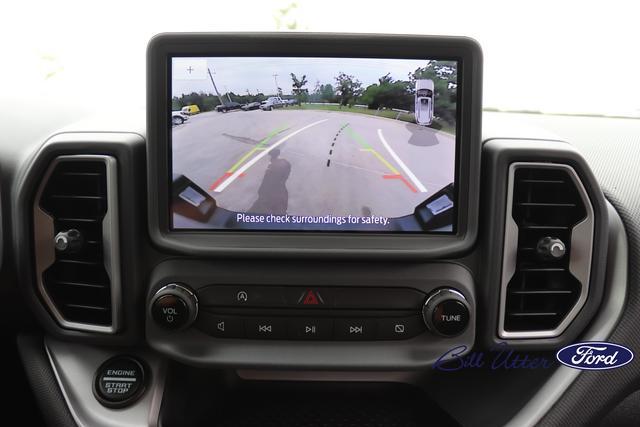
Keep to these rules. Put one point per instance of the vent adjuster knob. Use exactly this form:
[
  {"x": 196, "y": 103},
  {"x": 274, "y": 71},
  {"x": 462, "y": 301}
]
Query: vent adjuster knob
[
  {"x": 551, "y": 248},
  {"x": 69, "y": 241}
]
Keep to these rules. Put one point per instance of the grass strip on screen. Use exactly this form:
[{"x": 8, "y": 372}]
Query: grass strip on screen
[{"x": 438, "y": 125}]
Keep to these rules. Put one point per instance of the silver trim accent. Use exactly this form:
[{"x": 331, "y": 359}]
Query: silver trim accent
[
  {"x": 579, "y": 262},
  {"x": 62, "y": 389},
  {"x": 45, "y": 251}
]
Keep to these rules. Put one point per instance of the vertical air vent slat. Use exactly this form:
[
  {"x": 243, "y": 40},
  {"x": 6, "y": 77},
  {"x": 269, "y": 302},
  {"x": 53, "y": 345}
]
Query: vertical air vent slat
[
  {"x": 547, "y": 202},
  {"x": 77, "y": 283}
]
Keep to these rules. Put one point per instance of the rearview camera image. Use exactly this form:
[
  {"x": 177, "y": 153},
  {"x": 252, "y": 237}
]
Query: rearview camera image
[{"x": 316, "y": 144}]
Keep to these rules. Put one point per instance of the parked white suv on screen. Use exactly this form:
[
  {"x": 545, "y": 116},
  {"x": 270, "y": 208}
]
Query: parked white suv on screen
[
  {"x": 178, "y": 117},
  {"x": 271, "y": 103}
]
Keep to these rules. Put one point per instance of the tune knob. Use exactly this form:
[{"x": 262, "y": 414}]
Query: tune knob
[
  {"x": 446, "y": 312},
  {"x": 174, "y": 306},
  {"x": 551, "y": 248}
]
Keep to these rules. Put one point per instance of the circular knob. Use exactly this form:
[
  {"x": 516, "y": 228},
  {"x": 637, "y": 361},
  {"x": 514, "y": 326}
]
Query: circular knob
[
  {"x": 551, "y": 248},
  {"x": 174, "y": 306},
  {"x": 69, "y": 241},
  {"x": 446, "y": 312}
]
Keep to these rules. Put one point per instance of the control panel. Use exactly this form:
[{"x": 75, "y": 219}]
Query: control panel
[
  {"x": 224, "y": 313},
  {"x": 311, "y": 313}
]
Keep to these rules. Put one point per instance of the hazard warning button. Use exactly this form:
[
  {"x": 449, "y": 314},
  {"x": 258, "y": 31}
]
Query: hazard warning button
[{"x": 309, "y": 297}]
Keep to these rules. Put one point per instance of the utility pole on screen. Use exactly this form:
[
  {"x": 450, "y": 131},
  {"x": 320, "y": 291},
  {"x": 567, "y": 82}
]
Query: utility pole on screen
[{"x": 215, "y": 87}]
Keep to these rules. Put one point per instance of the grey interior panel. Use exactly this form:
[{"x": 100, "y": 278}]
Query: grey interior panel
[{"x": 75, "y": 366}]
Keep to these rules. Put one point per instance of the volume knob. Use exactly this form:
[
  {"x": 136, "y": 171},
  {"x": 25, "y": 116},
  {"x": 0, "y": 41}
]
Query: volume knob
[{"x": 174, "y": 306}]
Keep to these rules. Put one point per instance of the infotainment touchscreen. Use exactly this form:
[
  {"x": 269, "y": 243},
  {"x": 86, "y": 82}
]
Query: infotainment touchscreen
[{"x": 313, "y": 144}]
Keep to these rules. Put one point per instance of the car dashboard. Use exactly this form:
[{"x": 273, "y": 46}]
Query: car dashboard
[{"x": 151, "y": 290}]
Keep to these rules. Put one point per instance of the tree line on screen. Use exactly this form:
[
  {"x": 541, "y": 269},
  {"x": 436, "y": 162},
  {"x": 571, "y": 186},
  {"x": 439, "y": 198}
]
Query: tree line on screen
[{"x": 346, "y": 90}]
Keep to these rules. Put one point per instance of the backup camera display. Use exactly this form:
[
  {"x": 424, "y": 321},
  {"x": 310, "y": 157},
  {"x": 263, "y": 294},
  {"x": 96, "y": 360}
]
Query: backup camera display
[{"x": 313, "y": 144}]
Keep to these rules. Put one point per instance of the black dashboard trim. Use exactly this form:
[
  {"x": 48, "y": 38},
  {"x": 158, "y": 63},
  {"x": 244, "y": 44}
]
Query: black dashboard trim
[{"x": 43, "y": 381}]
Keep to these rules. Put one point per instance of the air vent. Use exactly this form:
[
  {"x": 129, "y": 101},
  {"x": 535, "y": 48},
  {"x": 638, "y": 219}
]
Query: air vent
[
  {"x": 80, "y": 284},
  {"x": 546, "y": 270}
]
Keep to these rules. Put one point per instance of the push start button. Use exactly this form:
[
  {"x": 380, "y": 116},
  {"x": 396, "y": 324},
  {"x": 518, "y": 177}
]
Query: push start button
[{"x": 119, "y": 382}]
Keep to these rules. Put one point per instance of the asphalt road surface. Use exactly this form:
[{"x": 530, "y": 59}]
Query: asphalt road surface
[{"x": 305, "y": 162}]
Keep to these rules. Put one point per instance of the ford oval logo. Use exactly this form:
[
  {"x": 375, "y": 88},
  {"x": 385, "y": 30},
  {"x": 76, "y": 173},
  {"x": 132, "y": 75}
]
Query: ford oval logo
[{"x": 594, "y": 355}]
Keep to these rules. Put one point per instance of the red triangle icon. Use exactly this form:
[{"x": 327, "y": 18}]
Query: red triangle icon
[{"x": 311, "y": 298}]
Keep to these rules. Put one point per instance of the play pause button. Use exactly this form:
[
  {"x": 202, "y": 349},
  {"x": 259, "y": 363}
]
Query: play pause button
[{"x": 310, "y": 329}]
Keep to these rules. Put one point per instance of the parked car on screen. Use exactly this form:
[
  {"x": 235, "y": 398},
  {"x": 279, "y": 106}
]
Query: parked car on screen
[
  {"x": 178, "y": 117},
  {"x": 251, "y": 106},
  {"x": 424, "y": 102},
  {"x": 190, "y": 109},
  {"x": 223, "y": 108},
  {"x": 271, "y": 103}
]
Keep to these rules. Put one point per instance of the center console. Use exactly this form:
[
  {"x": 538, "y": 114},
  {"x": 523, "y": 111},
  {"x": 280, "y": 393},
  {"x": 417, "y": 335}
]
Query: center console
[{"x": 313, "y": 176}]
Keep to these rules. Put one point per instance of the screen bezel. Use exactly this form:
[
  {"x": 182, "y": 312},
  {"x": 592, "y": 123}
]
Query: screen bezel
[{"x": 228, "y": 242}]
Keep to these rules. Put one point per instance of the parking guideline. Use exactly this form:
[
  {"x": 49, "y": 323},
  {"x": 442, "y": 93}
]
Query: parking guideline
[
  {"x": 395, "y": 173},
  {"x": 224, "y": 181},
  {"x": 259, "y": 146},
  {"x": 399, "y": 161},
  {"x": 236, "y": 165}
]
